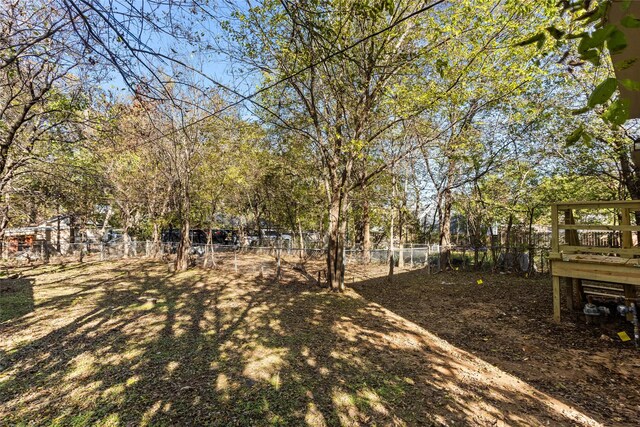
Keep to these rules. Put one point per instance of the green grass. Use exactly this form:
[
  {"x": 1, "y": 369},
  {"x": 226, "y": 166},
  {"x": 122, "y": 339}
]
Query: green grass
[{"x": 16, "y": 297}]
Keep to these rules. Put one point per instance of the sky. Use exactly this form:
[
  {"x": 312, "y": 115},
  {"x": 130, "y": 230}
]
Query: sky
[{"x": 202, "y": 24}]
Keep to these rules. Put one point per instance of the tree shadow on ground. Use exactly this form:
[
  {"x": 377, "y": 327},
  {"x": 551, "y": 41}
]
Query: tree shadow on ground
[
  {"x": 507, "y": 321},
  {"x": 16, "y": 298},
  {"x": 203, "y": 348}
]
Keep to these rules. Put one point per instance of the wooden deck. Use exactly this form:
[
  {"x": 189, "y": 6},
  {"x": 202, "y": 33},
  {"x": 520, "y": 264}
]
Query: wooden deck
[{"x": 575, "y": 262}]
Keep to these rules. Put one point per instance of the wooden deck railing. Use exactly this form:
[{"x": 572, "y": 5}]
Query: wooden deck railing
[
  {"x": 619, "y": 263},
  {"x": 620, "y": 208}
]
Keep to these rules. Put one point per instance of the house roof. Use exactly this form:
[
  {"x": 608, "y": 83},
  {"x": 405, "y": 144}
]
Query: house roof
[
  {"x": 25, "y": 231},
  {"x": 64, "y": 220}
]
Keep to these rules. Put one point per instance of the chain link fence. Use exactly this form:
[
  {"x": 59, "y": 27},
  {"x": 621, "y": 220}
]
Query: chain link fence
[{"x": 408, "y": 256}]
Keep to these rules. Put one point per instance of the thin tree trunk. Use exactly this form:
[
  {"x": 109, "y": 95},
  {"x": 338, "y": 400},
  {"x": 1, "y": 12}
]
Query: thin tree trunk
[
  {"x": 82, "y": 242},
  {"x": 155, "y": 239},
  {"x": 366, "y": 232},
  {"x": 401, "y": 222},
  {"x": 445, "y": 230},
  {"x": 126, "y": 241},
  {"x": 391, "y": 257},
  {"x": 257, "y": 217},
  {"x": 105, "y": 223},
  {"x": 532, "y": 249},
  {"x": 492, "y": 242},
  {"x": 211, "y": 248},
  {"x": 278, "y": 259},
  {"x": 301, "y": 240},
  {"x": 475, "y": 258},
  {"x": 508, "y": 242},
  {"x": 4, "y": 220},
  {"x": 58, "y": 247},
  {"x": 182, "y": 255}
]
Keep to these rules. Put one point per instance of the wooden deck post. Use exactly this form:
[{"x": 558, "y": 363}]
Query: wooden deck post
[
  {"x": 555, "y": 234},
  {"x": 626, "y": 234},
  {"x": 555, "y": 251},
  {"x": 627, "y": 242},
  {"x": 574, "y": 291},
  {"x": 556, "y": 299}
]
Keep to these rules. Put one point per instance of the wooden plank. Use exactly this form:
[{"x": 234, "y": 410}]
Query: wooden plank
[
  {"x": 598, "y": 272},
  {"x": 554, "y": 255},
  {"x": 603, "y": 287},
  {"x": 599, "y": 259},
  {"x": 556, "y": 298},
  {"x": 626, "y": 234},
  {"x": 601, "y": 204},
  {"x": 599, "y": 227},
  {"x": 599, "y": 250},
  {"x": 601, "y": 294}
]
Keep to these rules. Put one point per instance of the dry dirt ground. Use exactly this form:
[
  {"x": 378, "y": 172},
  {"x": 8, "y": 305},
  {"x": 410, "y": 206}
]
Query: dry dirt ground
[{"x": 129, "y": 343}]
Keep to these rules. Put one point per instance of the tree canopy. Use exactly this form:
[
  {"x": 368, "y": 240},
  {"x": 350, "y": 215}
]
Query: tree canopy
[{"x": 329, "y": 119}]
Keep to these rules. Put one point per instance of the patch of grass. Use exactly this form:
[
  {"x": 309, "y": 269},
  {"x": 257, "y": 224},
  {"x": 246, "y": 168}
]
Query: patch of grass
[{"x": 16, "y": 298}]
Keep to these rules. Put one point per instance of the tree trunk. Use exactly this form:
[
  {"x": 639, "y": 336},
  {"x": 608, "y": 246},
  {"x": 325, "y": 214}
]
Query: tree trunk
[
  {"x": 105, "y": 223},
  {"x": 363, "y": 226},
  {"x": 209, "y": 253},
  {"x": 492, "y": 242},
  {"x": 507, "y": 243},
  {"x": 445, "y": 230},
  {"x": 126, "y": 242},
  {"x": 532, "y": 248},
  {"x": 33, "y": 212},
  {"x": 79, "y": 239},
  {"x": 335, "y": 248},
  {"x": 155, "y": 240},
  {"x": 4, "y": 219},
  {"x": 58, "y": 247},
  {"x": 366, "y": 232},
  {"x": 182, "y": 253},
  {"x": 402, "y": 232},
  {"x": 391, "y": 258},
  {"x": 301, "y": 240},
  {"x": 126, "y": 239},
  {"x": 257, "y": 217},
  {"x": 476, "y": 258},
  {"x": 278, "y": 259}
]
